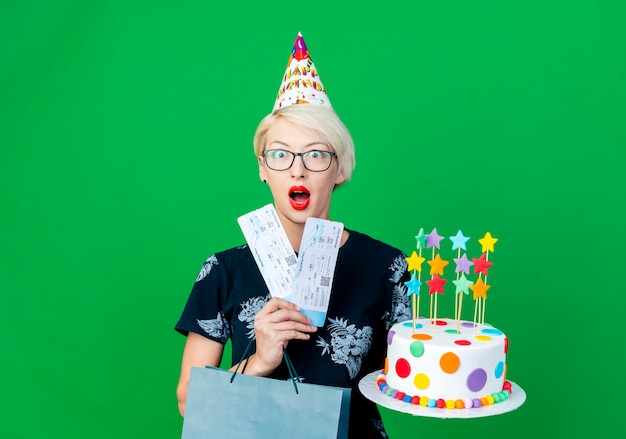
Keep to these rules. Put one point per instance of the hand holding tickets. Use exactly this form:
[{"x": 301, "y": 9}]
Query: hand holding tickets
[{"x": 305, "y": 280}]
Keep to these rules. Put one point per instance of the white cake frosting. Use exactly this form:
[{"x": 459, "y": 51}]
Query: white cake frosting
[{"x": 457, "y": 363}]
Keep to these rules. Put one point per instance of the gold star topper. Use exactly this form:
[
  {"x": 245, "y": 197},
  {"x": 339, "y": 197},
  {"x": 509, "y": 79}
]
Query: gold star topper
[
  {"x": 488, "y": 242},
  {"x": 415, "y": 262}
]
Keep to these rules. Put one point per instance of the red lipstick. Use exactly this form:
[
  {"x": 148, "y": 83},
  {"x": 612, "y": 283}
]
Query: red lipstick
[{"x": 299, "y": 197}]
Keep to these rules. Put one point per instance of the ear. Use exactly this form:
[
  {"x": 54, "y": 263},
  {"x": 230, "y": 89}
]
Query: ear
[
  {"x": 340, "y": 179},
  {"x": 262, "y": 172}
]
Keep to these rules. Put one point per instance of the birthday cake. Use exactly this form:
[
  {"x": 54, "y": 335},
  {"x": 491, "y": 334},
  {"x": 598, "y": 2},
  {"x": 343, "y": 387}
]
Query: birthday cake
[{"x": 447, "y": 362}]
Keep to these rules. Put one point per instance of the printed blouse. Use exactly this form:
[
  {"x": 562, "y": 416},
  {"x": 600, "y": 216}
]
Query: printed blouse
[{"x": 368, "y": 296}]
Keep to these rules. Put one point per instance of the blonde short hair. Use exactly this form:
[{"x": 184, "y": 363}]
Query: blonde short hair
[{"x": 323, "y": 121}]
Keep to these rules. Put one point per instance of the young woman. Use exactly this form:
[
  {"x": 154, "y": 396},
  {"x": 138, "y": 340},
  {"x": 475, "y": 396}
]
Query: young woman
[{"x": 304, "y": 152}]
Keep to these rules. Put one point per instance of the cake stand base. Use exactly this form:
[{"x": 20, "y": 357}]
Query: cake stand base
[{"x": 370, "y": 390}]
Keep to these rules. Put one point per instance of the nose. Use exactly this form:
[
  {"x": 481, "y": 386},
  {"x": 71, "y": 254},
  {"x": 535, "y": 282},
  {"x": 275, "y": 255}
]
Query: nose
[{"x": 297, "y": 168}]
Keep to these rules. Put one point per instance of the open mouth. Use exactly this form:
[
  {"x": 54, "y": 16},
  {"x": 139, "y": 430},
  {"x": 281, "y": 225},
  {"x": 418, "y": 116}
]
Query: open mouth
[{"x": 299, "y": 197}]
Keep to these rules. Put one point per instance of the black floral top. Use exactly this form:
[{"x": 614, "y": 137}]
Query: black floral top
[{"x": 368, "y": 296}]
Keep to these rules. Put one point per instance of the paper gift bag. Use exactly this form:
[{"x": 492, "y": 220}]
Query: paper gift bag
[{"x": 258, "y": 407}]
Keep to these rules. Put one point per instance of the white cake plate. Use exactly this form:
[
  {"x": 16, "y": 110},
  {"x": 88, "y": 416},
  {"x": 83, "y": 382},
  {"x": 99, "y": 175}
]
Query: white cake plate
[{"x": 370, "y": 390}]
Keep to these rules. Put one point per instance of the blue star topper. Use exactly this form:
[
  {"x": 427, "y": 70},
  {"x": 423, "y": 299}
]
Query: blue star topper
[
  {"x": 458, "y": 241},
  {"x": 413, "y": 286}
]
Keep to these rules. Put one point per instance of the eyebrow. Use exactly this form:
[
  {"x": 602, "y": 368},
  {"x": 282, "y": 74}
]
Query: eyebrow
[{"x": 308, "y": 145}]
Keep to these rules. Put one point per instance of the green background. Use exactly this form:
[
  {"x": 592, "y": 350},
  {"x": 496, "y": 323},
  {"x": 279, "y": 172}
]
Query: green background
[{"x": 126, "y": 157}]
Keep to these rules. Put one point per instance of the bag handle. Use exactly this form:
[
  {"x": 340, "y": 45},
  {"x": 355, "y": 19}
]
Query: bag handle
[
  {"x": 292, "y": 370},
  {"x": 246, "y": 356}
]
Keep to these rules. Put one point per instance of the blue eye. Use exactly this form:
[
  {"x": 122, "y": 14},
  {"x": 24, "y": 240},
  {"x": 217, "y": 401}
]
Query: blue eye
[
  {"x": 317, "y": 155},
  {"x": 277, "y": 154}
]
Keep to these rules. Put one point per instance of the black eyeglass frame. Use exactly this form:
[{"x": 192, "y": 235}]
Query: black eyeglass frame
[{"x": 300, "y": 154}]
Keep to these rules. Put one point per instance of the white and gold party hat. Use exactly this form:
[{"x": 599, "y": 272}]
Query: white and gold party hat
[{"x": 301, "y": 83}]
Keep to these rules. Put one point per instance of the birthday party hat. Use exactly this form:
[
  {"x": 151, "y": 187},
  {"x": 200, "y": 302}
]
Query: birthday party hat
[{"x": 301, "y": 82}]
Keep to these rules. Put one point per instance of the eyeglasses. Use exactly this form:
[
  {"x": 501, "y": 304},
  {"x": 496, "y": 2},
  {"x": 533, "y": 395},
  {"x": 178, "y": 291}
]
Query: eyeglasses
[{"x": 314, "y": 160}]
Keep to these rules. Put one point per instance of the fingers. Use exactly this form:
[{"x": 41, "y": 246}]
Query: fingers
[
  {"x": 283, "y": 329},
  {"x": 275, "y": 325},
  {"x": 280, "y": 321},
  {"x": 279, "y": 310},
  {"x": 296, "y": 318},
  {"x": 276, "y": 303}
]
